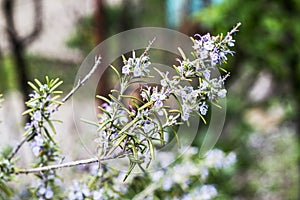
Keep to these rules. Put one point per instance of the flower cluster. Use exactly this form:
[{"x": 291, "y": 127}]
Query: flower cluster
[
  {"x": 213, "y": 50},
  {"x": 136, "y": 129},
  {"x": 7, "y": 168},
  {"x": 80, "y": 191},
  {"x": 42, "y": 103},
  {"x": 96, "y": 188},
  {"x": 205, "y": 192},
  {"x": 174, "y": 182},
  {"x": 136, "y": 67},
  {"x": 47, "y": 186},
  {"x": 133, "y": 130},
  {"x": 178, "y": 175}
]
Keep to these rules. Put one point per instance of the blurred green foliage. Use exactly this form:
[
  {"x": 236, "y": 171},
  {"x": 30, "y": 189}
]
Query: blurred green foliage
[
  {"x": 38, "y": 67},
  {"x": 269, "y": 41},
  {"x": 117, "y": 19},
  {"x": 269, "y": 36}
]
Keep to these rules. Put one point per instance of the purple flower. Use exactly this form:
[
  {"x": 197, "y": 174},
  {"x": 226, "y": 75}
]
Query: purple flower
[
  {"x": 45, "y": 192},
  {"x": 37, "y": 144},
  {"x": 206, "y": 74},
  {"x": 158, "y": 97},
  {"x": 206, "y": 192},
  {"x": 222, "y": 93},
  {"x": 137, "y": 71},
  {"x": 229, "y": 40},
  {"x": 203, "y": 108},
  {"x": 126, "y": 69}
]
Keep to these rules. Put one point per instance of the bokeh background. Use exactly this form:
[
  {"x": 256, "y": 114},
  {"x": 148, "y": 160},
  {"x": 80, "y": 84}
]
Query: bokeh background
[{"x": 52, "y": 37}]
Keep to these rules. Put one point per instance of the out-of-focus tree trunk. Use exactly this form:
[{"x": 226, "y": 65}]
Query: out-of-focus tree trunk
[
  {"x": 99, "y": 21},
  {"x": 19, "y": 44},
  {"x": 99, "y": 17}
]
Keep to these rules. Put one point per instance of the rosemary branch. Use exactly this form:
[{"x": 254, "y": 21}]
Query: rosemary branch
[
  {"x": 67, "y": 164},
  {"x": 79, "y": 84}
]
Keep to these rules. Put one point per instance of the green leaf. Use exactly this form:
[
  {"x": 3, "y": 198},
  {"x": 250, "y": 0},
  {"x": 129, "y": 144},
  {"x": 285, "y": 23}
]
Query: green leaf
[
  {"x": 28, "y": 111},
  {"x": 38, "y": 83},
  {"x": 105, "y": 111},
  {"x": 201, "y": 116},
  {"x": 119, "y": 103},
  {"x": 30, "y": 136},
  {"x": 124, "y": 59},
  {"x": 146, "y": 105},
  {"x": 55, "y": 86},
  {"x": 55, "y": 97},
  {"x": 151, "y": 147},
  {"x": 224, "y": 70},
  {"x": 5, "y": 188},
  {"x": 132, "y": 97},
  {"x": 132, "y": 165},
  {"x": 161, "y": 132},
  {"x": 116, "y": 91},
  {"x": 48, "y": 135},
  {"x": 53, "y": 81},
  {"x": 89, "y": 122},
  {"x": 51, "y": 125},
  {"x": 177, "y": 137},
  {"x": 47, "y": 80},
  {"x": 57, "y": 92},
  {"x": 116, "y": 71},
  {"x": 182, "y": 53},
  {"x": 120, "y": 140},
  {"x": 33, "y": 86},
  {"x": 104, "y": 124},
  {"x": 159, "y": 72},
  {"x": 217, "y": 105},
  {"x": 125, "y": 128},
  {"x": 103, "y": 98}
]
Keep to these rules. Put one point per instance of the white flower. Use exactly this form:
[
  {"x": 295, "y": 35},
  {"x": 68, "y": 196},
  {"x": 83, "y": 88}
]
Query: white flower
[
  {"x": 37, "y": 144},
  {"x": 47, "y": 192},
  {"x": 206, "y": 74},
  {"x": 222, "y": 93},
  {"x": 204, "y": 173},
  {"x": 203, "y": 108},
  {"x": 97, "y": 195},
  {"x": 230, "y": 159},
  {"x": 158, "y": 97},
  {"x": 167, "y": 183},
  {"x": 209, "y": 45},
  {"x": 230, "y": 41},
  {"x": 185, "y": 112},
  {"x": 148, "y": 127},
  {"x": 137, "y": 71},
  {"x": 215, "y": 158},
  {"x": 206, "y": 192},
  {"x": 126, "y": 69},
  {"x": 156, "y": 176},
  {"x": 204, "y": 85},
  {"x": 214, "y": 57},
  {"x": 37, "y": 116},
  {"x": 203, "y": 54}
]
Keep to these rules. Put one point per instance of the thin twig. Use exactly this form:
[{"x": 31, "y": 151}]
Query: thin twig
[
  {"x": 80, "y": 83},
  {"x": 64, "y": 165},
  {"x": 148, "y": 47},
  {"x": 16, "y": 149},
  {"x": 235, "y": 29}
]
